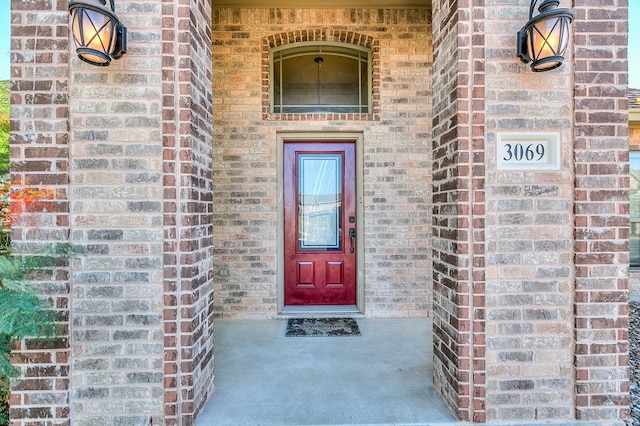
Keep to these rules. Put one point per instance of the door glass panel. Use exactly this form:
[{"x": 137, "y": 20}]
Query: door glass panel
[{"x": 319, "y": 201}]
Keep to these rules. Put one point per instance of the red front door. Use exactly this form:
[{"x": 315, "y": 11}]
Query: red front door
[{"x": 319, "y": 223}]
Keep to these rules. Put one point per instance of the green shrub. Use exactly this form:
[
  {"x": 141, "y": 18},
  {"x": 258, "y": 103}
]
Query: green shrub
[{"x": 22, "y": 312}]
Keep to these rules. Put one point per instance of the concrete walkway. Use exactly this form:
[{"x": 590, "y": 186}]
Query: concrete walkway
[{"x": 380, "y": 378}]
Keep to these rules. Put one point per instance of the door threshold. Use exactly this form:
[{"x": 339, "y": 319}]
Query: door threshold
[{"x": 320, "y": 311}]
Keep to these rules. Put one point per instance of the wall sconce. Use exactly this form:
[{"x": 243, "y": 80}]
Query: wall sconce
[
  {"x": 545, "y": 38},
  {"x": 98, "y": 33}
]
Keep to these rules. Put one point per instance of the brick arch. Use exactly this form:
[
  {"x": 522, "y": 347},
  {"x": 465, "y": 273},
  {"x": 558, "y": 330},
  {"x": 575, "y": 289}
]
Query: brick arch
[{"x": 322, "y": 35}]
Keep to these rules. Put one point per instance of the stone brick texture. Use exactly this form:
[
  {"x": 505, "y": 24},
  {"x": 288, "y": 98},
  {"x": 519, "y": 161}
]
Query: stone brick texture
[
  {"x": 397, "y": 172},
  {"x": 529, "y": 281},
  {"x": 116, "y": 206},
  {"x": 445, "y": 233}
]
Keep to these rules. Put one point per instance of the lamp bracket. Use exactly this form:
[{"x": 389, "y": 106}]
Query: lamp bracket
[{"x": 523, "y": 52}]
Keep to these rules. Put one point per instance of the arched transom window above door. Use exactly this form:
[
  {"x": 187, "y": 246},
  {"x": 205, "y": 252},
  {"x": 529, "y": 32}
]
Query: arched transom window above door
[
  {"x": 321, "y": 78},
  {"x": 321, "y": 75}
]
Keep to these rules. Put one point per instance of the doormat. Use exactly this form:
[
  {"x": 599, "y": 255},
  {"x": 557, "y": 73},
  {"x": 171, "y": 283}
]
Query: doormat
[{"x": 322, "y": 327}]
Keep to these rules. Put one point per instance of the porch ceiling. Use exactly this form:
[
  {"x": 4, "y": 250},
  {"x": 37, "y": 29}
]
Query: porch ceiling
[{"x": 253, "y": 4}]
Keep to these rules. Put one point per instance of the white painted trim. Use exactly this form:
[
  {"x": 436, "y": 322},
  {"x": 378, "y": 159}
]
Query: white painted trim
[{"x": 358, "y": 137}]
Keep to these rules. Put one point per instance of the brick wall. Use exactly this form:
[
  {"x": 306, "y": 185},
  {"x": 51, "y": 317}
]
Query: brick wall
[
  {"x": 537, "y": 306},
  {"x": 531, "y": 263},
  {"x": 529, "y": 237},
  {"x": 187, "y": 176},
  {"x": 445, "y": 299},
  {"x": 123, "y": 157},
  {"x": 40, "y": 141},
  {"x": 602, "y": 210},
  {"x": 458, "y": 207},
  {"x": 397, "y": 173},
  {"x": 116, "y": 198}
]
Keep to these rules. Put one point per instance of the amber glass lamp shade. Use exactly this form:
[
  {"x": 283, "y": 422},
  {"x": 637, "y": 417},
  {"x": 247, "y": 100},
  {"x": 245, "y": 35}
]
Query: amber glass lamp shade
[
  {"x": 97, "y": 33},
  {"x": 543, "y": 41}
]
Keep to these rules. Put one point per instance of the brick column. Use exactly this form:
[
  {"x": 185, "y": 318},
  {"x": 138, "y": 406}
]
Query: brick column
[
  {"x": 458, "y": 207},
  {"x": 39, "y": 171},
  {"x": 187, "y": 130},
  {"x": 556, "y": 295},
  {"x": 117, "y": 344},
  {"x": 602, "y": 210},
  {"x": 529, "y": 237},
  {"x": 121, "y": 160}
]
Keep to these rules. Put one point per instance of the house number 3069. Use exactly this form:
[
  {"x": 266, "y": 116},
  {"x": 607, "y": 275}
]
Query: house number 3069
[
  {"x": 523, "y": 152},
  {"x": 528, "y": 151}
]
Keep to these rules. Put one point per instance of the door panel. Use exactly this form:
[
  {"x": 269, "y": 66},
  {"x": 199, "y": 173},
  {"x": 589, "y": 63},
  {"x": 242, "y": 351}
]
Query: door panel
[
  {"x": 305, "y": 274},
  {"x": 319, "y": 223},
  {"x": 335, "y": 271}
]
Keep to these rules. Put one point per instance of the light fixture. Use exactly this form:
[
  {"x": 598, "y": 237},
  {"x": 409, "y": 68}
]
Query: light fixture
[
  {"x": 318, "y": 60},
  {"x": 545, "y": 38},
  {"x": 97, "y": 32}
]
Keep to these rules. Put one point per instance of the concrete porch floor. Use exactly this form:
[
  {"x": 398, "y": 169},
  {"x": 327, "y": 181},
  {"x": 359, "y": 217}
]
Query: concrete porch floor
[{"x": 382, "y": 377}]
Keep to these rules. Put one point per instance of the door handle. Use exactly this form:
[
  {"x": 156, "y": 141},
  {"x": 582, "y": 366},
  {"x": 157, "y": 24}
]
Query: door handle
[{"x": 352, "y": 238}]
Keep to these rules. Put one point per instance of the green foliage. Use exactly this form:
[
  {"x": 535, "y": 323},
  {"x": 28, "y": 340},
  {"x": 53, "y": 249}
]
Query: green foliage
[
  {"x": 4, "y": 403},
  {"x": 22, "y": 312},
  {"x": 4, "y": 96}
]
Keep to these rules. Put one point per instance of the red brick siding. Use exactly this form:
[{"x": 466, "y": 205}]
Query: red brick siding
[
  {"x": 601, "y": 193},
  {"x": 187, "y": 166},
  {"x": 458, "y": 206},
  {"x": 40, "y": 162}
]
